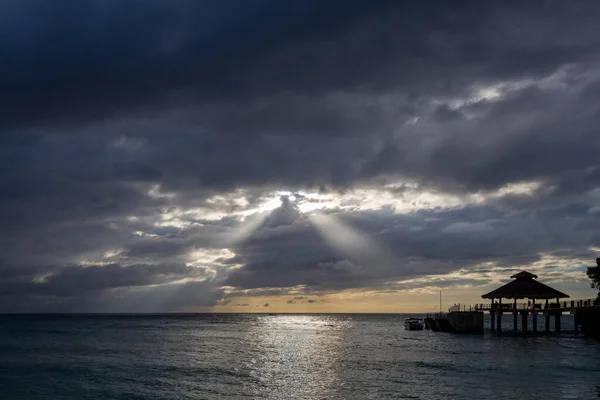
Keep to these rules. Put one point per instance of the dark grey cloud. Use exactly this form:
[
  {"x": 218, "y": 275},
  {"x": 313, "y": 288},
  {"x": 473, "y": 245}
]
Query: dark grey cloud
[
  {"x": 89, "y": 60},
  {"x": 79, "y": 281},
  {"x": 116, "y": 118},
  {"x": 105, "y": 288},
  {"x": 99, "y": 59}
]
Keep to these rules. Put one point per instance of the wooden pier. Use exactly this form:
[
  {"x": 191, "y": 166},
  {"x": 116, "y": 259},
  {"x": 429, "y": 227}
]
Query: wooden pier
[
  {"x": 463, "y": 318},
  {"x": 524, "y": 286}
]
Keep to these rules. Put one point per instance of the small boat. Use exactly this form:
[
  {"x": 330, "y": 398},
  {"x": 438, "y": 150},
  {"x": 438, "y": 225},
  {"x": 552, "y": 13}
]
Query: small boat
[{"x": 413, "y": 324}]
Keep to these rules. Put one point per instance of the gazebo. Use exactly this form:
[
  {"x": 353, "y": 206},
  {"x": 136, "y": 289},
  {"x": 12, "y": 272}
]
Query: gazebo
[{"x": 524, "y": 286}]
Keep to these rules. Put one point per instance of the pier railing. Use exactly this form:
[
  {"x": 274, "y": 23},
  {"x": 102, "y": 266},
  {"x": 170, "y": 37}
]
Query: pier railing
[
  {"x": 568, "y": 304},
  {"x": 562, "y": 305},
  {"x": 461, "y": 307}
]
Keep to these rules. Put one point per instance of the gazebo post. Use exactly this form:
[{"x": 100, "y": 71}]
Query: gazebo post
[
  {"x": 515, "y": 315},
  {"x": 524, "y": 321},
  {"x": 499, "y": 327},
  {"x": 493, "y": 315},
  {"x": 547, "y": 317},
  {"x": 534, "y": 317},
  {"x": 557, "y": 317}
]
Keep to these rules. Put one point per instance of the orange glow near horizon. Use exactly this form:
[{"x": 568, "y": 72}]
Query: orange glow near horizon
[
  {"x": 353, "y": 301},
  {"x": 348, "y": 302}
]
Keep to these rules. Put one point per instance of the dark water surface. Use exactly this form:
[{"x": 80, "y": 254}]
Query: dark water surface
[{"x": 283, "y": 357}]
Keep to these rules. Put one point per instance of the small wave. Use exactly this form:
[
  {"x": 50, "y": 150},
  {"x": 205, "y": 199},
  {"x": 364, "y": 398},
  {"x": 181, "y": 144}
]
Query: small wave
[
  {"x": 42, "y": 331},
  {"x": 435, "y": 366},
  {"x": 578, "y": 368}
]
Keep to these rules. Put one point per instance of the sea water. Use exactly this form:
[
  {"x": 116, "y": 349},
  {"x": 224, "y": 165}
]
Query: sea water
[{"x": 212, "y": 356}]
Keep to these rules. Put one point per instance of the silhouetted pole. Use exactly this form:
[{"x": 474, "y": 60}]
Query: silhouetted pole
[
  {"x": 493, "y": 315},
  {"x": 547, "y": 317},
  {"x": 499, "y": 327},
  {"x": 515, "y": 315},
  {"x": 557, "y": 318},
  {"x": 534, "y": 317}
]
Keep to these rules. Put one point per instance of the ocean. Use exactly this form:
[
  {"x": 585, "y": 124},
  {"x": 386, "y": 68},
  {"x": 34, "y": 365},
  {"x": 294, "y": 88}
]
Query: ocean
[{"x": 216, "y": 356}]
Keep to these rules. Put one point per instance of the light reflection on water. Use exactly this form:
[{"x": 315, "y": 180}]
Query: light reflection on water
[
  {"x": 299, "y": 353},
  {"x": 283, "y": 357}
]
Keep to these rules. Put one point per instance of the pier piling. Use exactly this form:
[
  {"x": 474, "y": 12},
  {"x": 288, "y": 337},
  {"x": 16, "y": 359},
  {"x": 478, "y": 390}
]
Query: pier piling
[
  {"x": 534, "y": 322},
  {"x": 499, "y": 327},
  {"x": 524, "y": 321}
]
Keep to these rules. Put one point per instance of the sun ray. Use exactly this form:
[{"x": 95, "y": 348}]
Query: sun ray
[
  {"x": 349, "y": 241},
  {"x": 246, "y": 228}
]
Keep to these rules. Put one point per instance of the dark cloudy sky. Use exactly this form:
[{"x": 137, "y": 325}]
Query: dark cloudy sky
[{"x": 299, "y": 155}]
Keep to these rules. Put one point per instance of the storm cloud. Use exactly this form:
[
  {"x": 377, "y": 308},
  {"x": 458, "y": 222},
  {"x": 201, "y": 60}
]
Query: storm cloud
[{"x": 196, "y": 149}]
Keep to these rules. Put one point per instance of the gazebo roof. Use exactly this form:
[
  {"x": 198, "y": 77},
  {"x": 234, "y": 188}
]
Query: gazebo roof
[
  {"x": 523, "y": 274},
  {"x": 524, "y": 286}
]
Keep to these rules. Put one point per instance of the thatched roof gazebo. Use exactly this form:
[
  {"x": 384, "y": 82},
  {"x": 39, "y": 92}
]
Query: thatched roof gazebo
[{"x": 524, "y": 286}]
